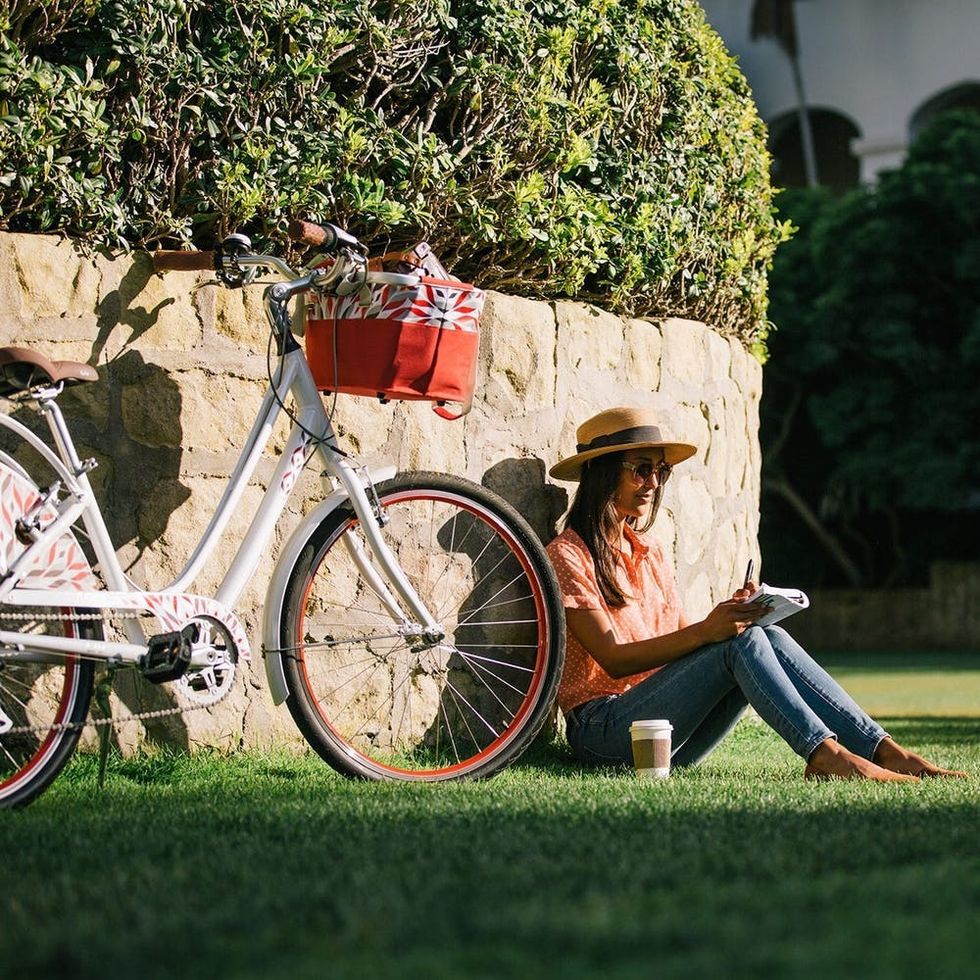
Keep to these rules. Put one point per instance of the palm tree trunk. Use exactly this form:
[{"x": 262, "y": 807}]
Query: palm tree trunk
[
  {"x": 806, "y": 130},
  {"x": 777, "y": 19}
]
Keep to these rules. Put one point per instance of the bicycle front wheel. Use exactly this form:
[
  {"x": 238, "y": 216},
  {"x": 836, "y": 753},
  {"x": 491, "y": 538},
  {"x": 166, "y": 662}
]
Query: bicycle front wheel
[{"x": 379, "y": 705}]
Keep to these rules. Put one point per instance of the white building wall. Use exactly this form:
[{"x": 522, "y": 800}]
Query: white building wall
[{"x": 874, "y": 61}]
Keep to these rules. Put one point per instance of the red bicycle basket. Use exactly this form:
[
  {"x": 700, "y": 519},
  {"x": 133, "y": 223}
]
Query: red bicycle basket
[{"x": 409, "y": 343}]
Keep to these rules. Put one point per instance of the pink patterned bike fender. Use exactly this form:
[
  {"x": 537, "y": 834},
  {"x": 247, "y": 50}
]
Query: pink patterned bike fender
[{"x": 59, "y": 565}]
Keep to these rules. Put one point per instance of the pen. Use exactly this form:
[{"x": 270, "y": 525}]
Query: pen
[{"x": 748, "y": 573}]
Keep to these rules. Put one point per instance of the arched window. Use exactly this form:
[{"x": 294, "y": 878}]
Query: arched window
[
  {"x": 965, "y": 95},
  {"x": 837, "y": 166}
]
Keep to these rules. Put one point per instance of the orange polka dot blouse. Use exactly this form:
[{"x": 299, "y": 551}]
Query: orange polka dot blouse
[{"x": 653, "y": 611}]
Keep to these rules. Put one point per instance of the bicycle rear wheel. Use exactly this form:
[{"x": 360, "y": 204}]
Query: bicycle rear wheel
[
  {"x": 378, "y": 705},
  {"x": 44, "y": 702},
  {"x": 44, "y": 699}
]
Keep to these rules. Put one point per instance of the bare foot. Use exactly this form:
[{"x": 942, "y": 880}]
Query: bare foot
[
  {"x": 891, "y": 755},
  {"x": 830, "y": 760}
]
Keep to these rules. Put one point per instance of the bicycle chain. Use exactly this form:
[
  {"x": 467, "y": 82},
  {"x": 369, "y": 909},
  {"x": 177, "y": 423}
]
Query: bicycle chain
[{"x": 97, "y": 723}]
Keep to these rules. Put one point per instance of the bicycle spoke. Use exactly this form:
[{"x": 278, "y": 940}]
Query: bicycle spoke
[
  {"x": 462, "y": 717},
  {"x": 493, "y": 731},
  {"x": 485, "y": 574},
  {"x": 390, "y": 698},
  {"x": 507, "y": 646},
  {"x": 371, "y": 667},
  {"x": 13, "y": 761},
  {"x": 496, "y": 622},
  {"x": 449, "y": 728},
  {"x": 478, "y": 666},
  {"x": 480, "y": 608},
  {"x": 7, "y": 690},
  {"x": 490, "y": 660},
  {"x": 472, "y": 669}
]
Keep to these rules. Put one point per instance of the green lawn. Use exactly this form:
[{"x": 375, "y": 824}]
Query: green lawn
[
  {"x": 910, "y": 683},
  {"x": 271, "y": 866}
]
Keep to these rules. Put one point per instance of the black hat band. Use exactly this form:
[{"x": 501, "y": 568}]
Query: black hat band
[{"x": 639, "y": 433}]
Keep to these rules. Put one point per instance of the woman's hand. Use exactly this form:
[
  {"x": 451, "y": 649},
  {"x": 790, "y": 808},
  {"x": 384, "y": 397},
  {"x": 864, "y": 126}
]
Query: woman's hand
[
  {"x": 731, "y": 618},
  {"x": 746, "y": 592}
]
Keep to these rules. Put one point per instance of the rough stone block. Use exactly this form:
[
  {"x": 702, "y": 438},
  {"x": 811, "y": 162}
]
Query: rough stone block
[
  {"x": 46, "y": 268},
  {"x": 696, "y": 595},
  {"x": 518, "y": 347},
  {"x": 588, "y": 338},
  {"x": 684, "y": 351},
  {"x": 239, "y": 315},
  {"x": 644, "y": 346},
  {"x": 160, "y": 316},
  {"x": 151, "y": 410},
  {"x": 719, "y": 359},
  {"x": 217, "y": 411},
  {"x": 696, "y": 510}
]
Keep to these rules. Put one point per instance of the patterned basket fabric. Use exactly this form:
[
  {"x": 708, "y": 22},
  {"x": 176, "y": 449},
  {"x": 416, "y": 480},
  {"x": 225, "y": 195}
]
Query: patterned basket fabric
[
  {"x": 415, "y": 342},
  {"x": 444, "y": 304}
]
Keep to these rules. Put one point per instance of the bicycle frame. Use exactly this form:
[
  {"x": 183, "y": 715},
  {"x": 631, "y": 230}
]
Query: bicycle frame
[{"x": 312, "y": 434}]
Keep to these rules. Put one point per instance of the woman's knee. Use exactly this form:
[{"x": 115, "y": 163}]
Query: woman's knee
[
  {"x": 752, "y": 639},
  {"x": 783, "y": 643}
]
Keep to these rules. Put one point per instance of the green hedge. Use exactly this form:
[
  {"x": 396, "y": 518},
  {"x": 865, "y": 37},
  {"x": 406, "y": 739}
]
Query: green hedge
[{"x": 598, "y": 149}]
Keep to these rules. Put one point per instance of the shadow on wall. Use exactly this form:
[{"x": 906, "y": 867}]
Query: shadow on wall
[
  {"x": 142, "y": 440},
  {"x": 114, "y": 310},
  {"x": 129, "y": 421},
  {"x": 522, "y": 483}
]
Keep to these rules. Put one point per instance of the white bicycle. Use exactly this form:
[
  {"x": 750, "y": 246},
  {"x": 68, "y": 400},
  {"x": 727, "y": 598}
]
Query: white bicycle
[{"x": 412, "y": 624}]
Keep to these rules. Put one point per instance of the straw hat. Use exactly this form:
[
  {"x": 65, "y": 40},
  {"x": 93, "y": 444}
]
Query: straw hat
[{"x": 616, "y": 430}]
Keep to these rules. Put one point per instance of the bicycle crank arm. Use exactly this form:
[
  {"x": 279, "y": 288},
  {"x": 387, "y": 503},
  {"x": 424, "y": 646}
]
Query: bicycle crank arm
[{"x": 28, "y": 646}]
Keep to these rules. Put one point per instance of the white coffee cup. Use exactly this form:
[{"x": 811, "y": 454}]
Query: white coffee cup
[{"x": 651, "y": 747}]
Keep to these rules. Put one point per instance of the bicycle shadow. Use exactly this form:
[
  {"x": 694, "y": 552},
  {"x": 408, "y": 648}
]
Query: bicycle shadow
[
  {"x": 496, "y": 642},
  {"x": 142, "y": 440},
  {"x": 129, "y": 423},
  {"x": 116, "y": 308},
  {"x": 521, "y": 482}
]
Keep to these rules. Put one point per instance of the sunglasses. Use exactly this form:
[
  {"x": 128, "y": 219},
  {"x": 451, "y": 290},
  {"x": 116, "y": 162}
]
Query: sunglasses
[{"x": 644, "y": 472}]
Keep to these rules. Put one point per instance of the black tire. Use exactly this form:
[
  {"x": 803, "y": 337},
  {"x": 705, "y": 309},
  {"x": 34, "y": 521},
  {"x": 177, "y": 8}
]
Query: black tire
[
  {"x": 376, "y": 706},
  {"x": 53, "y": 693}
]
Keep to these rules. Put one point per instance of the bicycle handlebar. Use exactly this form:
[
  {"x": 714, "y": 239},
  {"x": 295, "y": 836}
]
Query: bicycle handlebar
[
  {"x": 328, "y": 237},
  {"x": 164, "y": 261}
]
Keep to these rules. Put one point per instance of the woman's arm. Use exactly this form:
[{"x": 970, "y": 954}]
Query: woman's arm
[{"x": 591, "y": 627}]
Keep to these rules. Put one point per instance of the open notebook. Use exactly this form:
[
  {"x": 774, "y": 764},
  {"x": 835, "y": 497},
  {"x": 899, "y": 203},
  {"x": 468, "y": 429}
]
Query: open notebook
[{"x": 781, "y": 602}]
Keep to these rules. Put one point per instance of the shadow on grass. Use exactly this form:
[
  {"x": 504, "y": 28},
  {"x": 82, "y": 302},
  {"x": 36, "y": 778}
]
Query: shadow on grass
[
  {"x": 739, "y": 869},
  {"x": 919, "y": 730},
  {"x": 901, "y": 662}
]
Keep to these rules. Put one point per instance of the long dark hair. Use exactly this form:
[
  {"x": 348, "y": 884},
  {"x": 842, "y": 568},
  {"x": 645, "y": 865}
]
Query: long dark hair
[{"x": 595, "y": 519}]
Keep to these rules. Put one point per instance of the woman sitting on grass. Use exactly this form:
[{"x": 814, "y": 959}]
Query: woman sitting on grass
[{"x": 632, "y": 653}]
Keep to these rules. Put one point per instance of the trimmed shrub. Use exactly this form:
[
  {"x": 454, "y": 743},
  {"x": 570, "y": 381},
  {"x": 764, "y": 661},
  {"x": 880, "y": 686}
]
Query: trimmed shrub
[{"x": 596, "y": 149}]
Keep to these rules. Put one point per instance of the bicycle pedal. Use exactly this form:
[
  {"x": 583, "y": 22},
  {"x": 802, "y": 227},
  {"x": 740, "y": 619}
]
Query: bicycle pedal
[{"x": 168, "y": 655}]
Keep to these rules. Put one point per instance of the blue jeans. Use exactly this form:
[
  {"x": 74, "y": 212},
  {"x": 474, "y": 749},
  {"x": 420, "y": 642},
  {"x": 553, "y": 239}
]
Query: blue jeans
[{"x": 704, "y": 693}]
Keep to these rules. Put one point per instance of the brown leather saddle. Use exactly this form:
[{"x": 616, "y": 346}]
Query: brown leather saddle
[{"x": 22, "y": 369}]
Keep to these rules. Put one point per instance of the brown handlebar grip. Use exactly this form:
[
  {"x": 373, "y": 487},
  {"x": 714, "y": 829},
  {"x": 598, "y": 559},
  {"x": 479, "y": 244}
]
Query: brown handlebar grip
[
  {"x": 307, "y": 233},
  {"x": 183, "y": 261}
]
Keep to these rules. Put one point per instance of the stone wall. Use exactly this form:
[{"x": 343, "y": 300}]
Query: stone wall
[
  {"x": 945, "y": 616},
  {"x": 183, "y": 368}
]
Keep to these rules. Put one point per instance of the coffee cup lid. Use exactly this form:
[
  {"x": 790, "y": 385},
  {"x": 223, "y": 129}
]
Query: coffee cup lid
[{"x": 652, "y": 725}]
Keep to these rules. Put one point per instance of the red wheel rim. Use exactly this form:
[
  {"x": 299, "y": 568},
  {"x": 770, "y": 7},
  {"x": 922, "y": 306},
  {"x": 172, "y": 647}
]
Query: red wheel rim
[
  {"x": 54, "y": 734},
  {"x": 529, "y": 699}
]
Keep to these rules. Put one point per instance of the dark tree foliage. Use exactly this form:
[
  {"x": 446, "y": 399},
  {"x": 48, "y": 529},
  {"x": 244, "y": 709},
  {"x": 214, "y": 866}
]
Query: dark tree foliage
[
  {"x": 871, "y": 413},
  {"x": 608, "y": 150}
]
